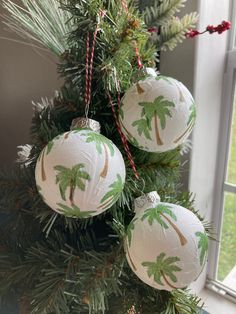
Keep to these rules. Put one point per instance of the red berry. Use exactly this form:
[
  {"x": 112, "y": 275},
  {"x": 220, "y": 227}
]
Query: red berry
[
  {"x": 210, "y": 29},
  {"x": 226, "y": 24},
  {"x": 192, "y": 33},
  {"x": 152, "y": 30}
]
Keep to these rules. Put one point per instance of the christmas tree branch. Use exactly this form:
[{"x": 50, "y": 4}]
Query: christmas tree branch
[
  {"x": 41, "y": 21},
  {"x": 159, "y": 13},
  {"x": 174, "y": 32}
]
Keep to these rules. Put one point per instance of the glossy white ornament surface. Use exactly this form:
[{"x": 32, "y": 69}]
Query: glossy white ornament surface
[
  {"x": 166, "y": 244},
  {"x": 80, "y": 173},
  {"x": 157, "y": 113}
]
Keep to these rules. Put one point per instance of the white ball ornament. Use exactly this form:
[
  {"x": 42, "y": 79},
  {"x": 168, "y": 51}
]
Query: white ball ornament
[
  {"x": 80, "y": 173},
  {"x": 157, "y": 113},
  {"x": 166, "y": 244}
]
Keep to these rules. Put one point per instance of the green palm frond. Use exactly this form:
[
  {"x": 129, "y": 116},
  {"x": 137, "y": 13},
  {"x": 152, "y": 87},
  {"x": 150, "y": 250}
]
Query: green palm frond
[
  {"x": 74, "y": 211},
  {"x": 77, "y": 175},
  {"x": 63, "y": 177},
  {"x": 162, "y": 267},
  {"x": 49, "y": 147},
  {"x": 193, "y": 114},
  {"x": 143, "y": 127},
  {"x": 202, "y": 245},
  {"x": 167, "y": 79},
  {"x": 100, "y": 140},
  {"x": 42, "y": 21},
  {"x": 74, "y": 177},
  {"x": 160, "y": 106},
  {"x": 155, "y": 214},
  {"x": 130, "y": 229},
  {"x": 115, "y": 191}
]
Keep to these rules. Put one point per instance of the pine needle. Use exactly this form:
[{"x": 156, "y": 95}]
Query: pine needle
[{"x": 42, "y": 21}]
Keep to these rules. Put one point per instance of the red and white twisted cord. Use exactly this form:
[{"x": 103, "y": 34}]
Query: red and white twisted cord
[{"x": 122, "y": 136}]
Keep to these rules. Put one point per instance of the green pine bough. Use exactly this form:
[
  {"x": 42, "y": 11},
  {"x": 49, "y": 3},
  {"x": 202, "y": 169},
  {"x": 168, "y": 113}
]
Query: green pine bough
[{"x": 55, "y": 264}]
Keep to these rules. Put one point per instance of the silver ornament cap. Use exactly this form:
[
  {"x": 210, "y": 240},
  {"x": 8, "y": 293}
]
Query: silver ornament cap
[
  {"x": 85, "y": 123},
  {"x": 150, "y": 199},
  {"x": 143, "y": 73}
]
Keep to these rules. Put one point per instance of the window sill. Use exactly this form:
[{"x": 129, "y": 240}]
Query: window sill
[{"x": 215, "y": 304}]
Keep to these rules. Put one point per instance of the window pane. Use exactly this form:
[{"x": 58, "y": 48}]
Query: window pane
[
  {"x": 227, "y": 258},
  {"x": 231, "y": 171}
]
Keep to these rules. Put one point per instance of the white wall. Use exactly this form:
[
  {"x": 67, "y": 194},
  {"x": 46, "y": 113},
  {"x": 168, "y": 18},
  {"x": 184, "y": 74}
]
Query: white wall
[
  {"x": 209, "y": 71},
  {"x": 24, "y": 76},
  {"x": 180, "y": 65}
]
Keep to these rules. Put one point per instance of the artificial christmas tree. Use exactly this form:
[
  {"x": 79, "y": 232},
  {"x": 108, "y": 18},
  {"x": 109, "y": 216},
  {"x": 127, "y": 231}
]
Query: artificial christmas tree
[{"x": 55, "y": 263}]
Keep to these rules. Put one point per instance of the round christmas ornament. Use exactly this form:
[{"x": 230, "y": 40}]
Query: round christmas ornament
[
  {"x": 166, "y": 244},
  {"x": 80, "y": 173},
  {"x": 157, "y": 113}
]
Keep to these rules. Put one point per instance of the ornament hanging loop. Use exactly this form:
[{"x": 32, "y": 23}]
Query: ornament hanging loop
[
  {"x": 139, "y": 62},
  {"x": 89, "y": 63},
  {"x": 122, "y": 136}
]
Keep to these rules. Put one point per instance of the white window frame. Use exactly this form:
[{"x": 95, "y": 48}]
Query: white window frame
[
  {"x": 221, "y": 184},
  {"x": 210, "y": 64}
]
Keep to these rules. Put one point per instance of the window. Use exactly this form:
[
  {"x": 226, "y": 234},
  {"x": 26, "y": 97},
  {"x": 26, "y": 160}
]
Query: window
[{"x": 222, "y": 266}]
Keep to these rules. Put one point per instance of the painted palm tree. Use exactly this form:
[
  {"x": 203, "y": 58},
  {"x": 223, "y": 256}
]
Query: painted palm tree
[
  {"x": 129, "y": 136},
  {"x": 169, "y": 80},
  {"x": 127, "y": 242},
  {"x": 126, "y": 248},
  {"x": 159, "y": 214},
  {"x": 47, "y": 149},
  {"x": 190, "y": 123},
  {"x": 74, "y": 211},
  {"x": 113, "y": 194},
  {"x": 163, "y": 269},
  {"x": 140, "y": 90},
  {"x": 72, "y": 178},
  {"x": 159, "y": 108},
  {"x": 102, "y": 144},
  {"x": 143, "y": 127},
  {"x": 181, "y": 95},
  {"x": 202, "y": 245}
]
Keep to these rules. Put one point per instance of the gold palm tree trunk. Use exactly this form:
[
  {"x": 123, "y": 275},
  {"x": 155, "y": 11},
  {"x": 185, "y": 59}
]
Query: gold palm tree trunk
[
  {"x": 128, "y": 134},
  {"x": 71, "y": 197},
  {"x": 158, "y": 138},
  {"x": 104, "y": 205},
  {"x": 167, "y": 281},
  {"x": 182, "y": 135},
  {"x": 104, "y": 171},
  {"x": 67, "y": 135},
  {"x": 43, "y": 173},
  {"x": 182, "y": 238},
  {"x": 139, "y": 89},
  {"x": 130, "y": 259},
  {"x": 181, "y": 96}
]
